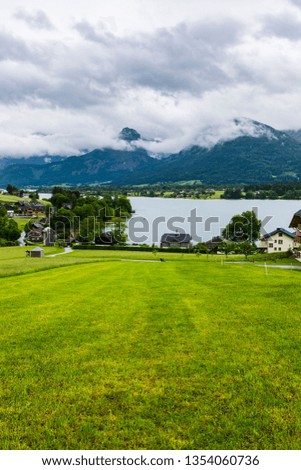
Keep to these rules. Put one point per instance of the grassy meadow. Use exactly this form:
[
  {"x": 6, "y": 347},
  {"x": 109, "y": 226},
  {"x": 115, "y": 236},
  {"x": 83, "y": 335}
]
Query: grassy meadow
[
  {"x": 100, "y": 350},
  {"x": 22, "y": 221},
  {"x": 11, "y": 199}
]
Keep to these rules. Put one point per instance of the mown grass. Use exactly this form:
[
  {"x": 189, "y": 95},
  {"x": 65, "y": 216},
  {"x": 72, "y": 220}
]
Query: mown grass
[
  {"x": 14, "y": 262},
  {"x": 216, "y": 258},
  {"x": 186, "y": 354}
]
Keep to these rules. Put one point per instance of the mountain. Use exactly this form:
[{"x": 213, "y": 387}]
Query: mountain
[
  {"x": 266, "y": 155},
  {"x": 129, "y": 135},
  {"x": 295, "y": 134},
  {"x": 5, "y": 161},
  {"x": 98, "y": 166},
  {"x": 249, "y": 152}
]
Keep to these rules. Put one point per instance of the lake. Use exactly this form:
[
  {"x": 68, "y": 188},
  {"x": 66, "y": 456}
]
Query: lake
[
  {"x": 203, "y": 219},
  {"x": 45, "y": 195}
]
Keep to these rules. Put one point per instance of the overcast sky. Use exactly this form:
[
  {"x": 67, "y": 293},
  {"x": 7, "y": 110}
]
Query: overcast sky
[{"x": 75, "y": 72}]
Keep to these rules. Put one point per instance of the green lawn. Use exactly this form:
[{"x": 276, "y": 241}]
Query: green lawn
[{"x": 100, "y": 353}]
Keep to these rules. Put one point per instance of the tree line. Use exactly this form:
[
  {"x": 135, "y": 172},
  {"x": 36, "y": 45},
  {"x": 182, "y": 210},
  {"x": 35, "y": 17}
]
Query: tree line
[
  {"x": 9, "y": 230},
  {"x": 86, "y": 218}
]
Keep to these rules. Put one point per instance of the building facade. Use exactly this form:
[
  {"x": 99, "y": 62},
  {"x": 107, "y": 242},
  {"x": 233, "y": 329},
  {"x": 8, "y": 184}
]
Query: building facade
[{"x": 278, "y": 240}]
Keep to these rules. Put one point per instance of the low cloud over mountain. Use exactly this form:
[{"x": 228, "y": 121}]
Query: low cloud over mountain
[{"x": 243, "y": 151}]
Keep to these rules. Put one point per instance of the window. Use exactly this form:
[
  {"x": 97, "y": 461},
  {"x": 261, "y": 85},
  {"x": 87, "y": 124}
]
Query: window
[
  {"x": 275, "y": 241},
  {"x": 270, "y": 245},
  {"x": 280, "y": 234},
  {"x": 275, "y": 249},
  {"x": 279, "y": 249},
  {"x": 280, "y": 242}
]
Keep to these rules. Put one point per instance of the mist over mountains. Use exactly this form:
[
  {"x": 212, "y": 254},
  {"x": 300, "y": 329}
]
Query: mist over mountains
[{"x": 237, "y": 151}]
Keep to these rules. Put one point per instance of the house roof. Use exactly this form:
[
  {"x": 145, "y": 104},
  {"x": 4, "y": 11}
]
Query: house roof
[
  {"x": 279, "y": 229},
  {"x": 37, "y": 225},
  {"x": 175, "y": 238},
  {"x": 35, "y": 232},
  {"x": 296, "y": 220},
  {"x": 37, "y": 248},
  {"x": 214, "y": 241}
]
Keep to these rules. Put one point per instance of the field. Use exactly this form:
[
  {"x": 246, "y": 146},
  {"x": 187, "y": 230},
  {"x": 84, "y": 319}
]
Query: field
[
  {"x": 100, "y": 350},
  {"x": 22, "y": 221},
  {"x": 9, "y": 198}
]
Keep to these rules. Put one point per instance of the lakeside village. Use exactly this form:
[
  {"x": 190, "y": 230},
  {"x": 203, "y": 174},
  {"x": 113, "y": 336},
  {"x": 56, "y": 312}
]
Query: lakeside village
[{"x": 72, "y": 218}]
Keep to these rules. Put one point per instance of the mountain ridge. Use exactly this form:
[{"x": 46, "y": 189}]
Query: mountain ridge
[{"x": 252, "y": 153}]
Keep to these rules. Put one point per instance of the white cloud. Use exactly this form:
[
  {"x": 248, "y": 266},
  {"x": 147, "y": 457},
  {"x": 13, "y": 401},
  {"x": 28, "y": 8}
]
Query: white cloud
[
  {"x": 72, "y": 77},
  {"x": 37, "y": 19},
  {"x": 287, "y": 25}
]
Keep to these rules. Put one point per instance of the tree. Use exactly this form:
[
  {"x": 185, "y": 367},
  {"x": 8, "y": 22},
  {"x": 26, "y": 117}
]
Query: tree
[
  {"x": 11, "y": 189},
  {"x": 118, "y": 230},
  {"x": 243, "y": 227},
  {"x": 34, "y": 196},
  {"x": 250, "y": 195},
  {"x": 9, "y": 229},
  {"x": 227, "y": 247},
  {"x": 232, "y": 193},
  {"x": 246, "y": 248},
  {"x": 200, "y": 248}
]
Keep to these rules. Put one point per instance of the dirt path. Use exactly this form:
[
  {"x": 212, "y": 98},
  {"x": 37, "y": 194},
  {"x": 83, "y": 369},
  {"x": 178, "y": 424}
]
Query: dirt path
[{"x": 66, "y": 250}]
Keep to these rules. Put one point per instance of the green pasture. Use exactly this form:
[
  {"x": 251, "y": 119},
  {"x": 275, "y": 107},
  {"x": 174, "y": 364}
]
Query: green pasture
[
  {"x": 216, "y": 195},
  {"x": 9, "y": 198},
  {"x": 101, "y": 350},
  {"x": 22, "y": 221}
]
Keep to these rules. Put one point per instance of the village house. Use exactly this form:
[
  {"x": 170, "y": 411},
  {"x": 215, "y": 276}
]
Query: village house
[
  {"x": 39, "y": 234},
  {"x": 8, "y": 206},
  {"x": 296, "y": 224},
  {"x": 212, "y": 244},
  {"x": 175, "y": 240},
  {"x": 35, "y": 236},
  {"x": 278, "y": 240},
  {"x": 296, "y": 221},
  {"x": 31, "y": 208}
]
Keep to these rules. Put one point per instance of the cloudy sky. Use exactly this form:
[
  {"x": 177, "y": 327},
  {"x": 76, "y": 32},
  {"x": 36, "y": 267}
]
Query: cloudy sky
[{"x": 75, "y": 72}]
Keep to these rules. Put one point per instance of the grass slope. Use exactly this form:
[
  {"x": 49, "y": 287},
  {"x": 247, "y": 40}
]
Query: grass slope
[
  {"x": 186, "y": 354},
  {"x": 11, "y": 199}
]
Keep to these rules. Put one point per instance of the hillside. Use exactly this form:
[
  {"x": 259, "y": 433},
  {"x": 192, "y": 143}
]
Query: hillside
[
  {"x": 98, "y": 166},
  {"x": 43, "y": 160},
  {"x": 254, "y": 153},
  {"x": 243, "y": 160}
]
